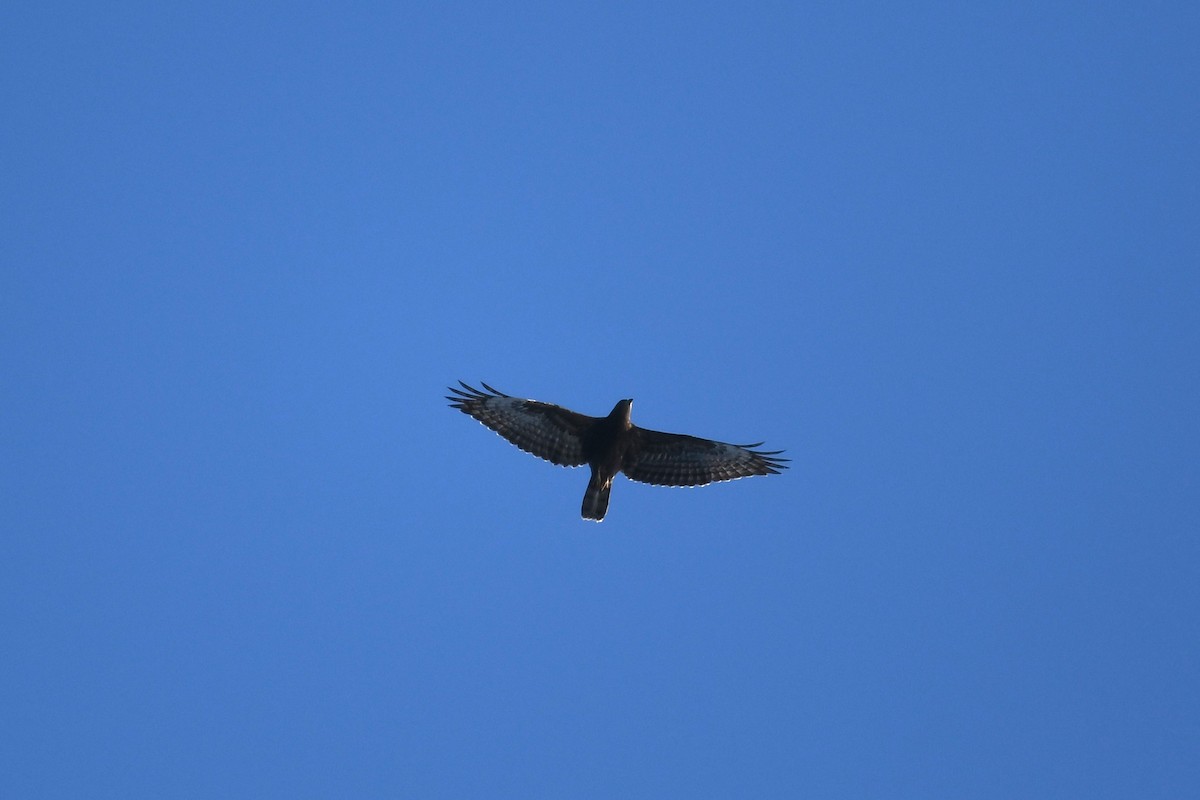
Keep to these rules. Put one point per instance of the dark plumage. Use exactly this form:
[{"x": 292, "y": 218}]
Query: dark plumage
[{"x": 611, "y": 444}]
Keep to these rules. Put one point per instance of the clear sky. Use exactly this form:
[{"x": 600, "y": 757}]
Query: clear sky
[{"x": 946, "y": 254}]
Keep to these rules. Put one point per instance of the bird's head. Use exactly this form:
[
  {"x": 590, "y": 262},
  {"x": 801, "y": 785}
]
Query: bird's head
[{"x": 621, "y": 411}]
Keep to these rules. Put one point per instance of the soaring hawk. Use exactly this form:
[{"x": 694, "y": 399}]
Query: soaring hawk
[{"x": 611, "y": 444}]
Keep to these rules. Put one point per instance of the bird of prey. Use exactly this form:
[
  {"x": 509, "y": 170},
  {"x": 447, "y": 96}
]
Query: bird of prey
[{"x": 611, "y": 444}]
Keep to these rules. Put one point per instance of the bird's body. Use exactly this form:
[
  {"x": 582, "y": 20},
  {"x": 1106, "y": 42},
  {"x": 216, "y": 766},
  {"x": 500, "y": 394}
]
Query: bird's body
[
  {"x": 611, "y": 444},
  {"x": 604, "y": 446}
]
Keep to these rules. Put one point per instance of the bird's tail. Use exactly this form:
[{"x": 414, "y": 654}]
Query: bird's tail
[{"x": 595, "y": 499}]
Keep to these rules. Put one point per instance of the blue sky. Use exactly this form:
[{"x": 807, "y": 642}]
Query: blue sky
[{"x": 947, "y": 256}]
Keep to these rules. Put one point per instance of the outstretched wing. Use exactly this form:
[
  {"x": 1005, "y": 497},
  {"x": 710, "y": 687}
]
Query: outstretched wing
[
  {"x": 673, "y": 459},
  {"x": 546, "y": 430}
]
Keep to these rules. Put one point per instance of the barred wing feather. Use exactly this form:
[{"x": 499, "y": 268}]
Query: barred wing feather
[
  {"x": 543, "y": 429},
  {"x": 674, "y": 459}
]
